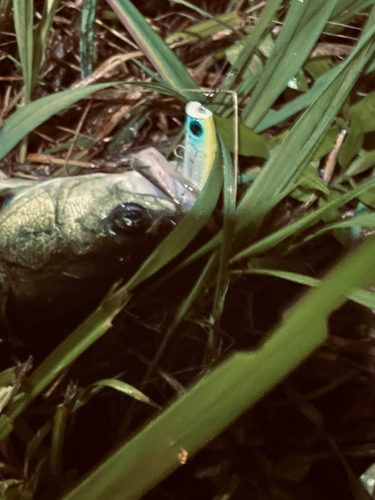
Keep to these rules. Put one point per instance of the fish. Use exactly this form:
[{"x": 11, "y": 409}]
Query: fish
[{"x": 65, "y": 241}]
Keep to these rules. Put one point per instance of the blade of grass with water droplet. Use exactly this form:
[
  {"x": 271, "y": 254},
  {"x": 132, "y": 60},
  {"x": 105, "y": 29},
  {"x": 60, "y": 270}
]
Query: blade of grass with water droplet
[
  {"x": 302, "y": 27},
  {"x": 263, "y": 25},
  {"x": 289, "y": 159}
]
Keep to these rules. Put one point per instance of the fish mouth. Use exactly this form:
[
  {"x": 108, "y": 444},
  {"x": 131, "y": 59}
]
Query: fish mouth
[{"x": 163, "y": 175}]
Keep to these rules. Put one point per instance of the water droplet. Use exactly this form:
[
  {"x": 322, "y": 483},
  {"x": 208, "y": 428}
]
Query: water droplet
[{"x": 293, "y": 83}]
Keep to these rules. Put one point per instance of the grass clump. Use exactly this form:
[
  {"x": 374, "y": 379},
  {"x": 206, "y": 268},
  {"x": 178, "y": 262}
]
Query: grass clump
[{"x": 214, "y": 320}]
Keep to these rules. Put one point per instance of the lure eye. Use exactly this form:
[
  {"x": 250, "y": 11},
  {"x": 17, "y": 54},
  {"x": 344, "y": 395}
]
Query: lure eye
[
  {"x": 196, "y": 128},
  {"x": 128, "y": 217}
]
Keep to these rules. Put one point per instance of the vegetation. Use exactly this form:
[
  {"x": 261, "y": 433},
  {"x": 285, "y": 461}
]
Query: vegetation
[{"x": 273, "y": 306}]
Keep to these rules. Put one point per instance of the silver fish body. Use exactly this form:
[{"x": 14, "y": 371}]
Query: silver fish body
[{"x": 66, "y": 239}]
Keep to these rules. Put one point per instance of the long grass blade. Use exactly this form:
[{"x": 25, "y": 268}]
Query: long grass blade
[
  {"x": 301, "y": 29},
  {"x": 68, "y": 351},
  {"x": 300, "y": 225},
  {"x": 186, "y": 230},
  {"x": 86, "y": 47},
  {"x": 197, "y": 417},
  {"x": 154, "y": 48},
  {"x": 263, "y": 25},
  {"x": 222, "y": 282},
  {"x": 35, "y": 113},
  {"x": 23, "y": 23},
  {"x": 362, "y": 297},
  {"x": 41, "y": 36}
]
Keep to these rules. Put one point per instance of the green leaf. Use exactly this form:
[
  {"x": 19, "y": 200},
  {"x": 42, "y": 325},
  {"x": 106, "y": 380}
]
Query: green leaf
[
  {"x": 364, "y": 110},
  {"x": 318, "y": 66},
  {"x": 299, "y": 82},
  {"x": 364, "y": 161},
  {"x": 309, "y": 183},
  {"x": 249, "y": 143}
]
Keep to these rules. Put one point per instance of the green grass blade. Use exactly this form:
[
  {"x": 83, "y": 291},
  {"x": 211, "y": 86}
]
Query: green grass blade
[
  {"x": 274, "y": 117},
  {"x": 86, "y": 42},
  {"x": 186, "y": 230},
  {"x": 197, "y": 417},
  {"x": 222, "y": 282},
  {"x": 23, "y": 23},
  {"x": 155, "y": 49},
  {"x": 68, "y": 351},
  {"x": 35, "y": 113},
  {"x": 263, "y": 25},
  {"x": 302, "y": 224},
  {"x": 203, "y": 29},
  {"x": 303, "y": 25},
  {"x": 41, "y": 36},
  {"x": 362, "y": 297},
  {"x": 129, "y": 390},
  {"x": 206, "y": 14},
  {"x": 288, "y": 160},
  {"x": 57, "y": 440}
]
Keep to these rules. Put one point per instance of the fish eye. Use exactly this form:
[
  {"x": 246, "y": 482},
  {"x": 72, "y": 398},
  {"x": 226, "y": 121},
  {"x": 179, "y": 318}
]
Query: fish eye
[
  {"x": 128, "y": 217},
  {"x": 196, "y": 128}
]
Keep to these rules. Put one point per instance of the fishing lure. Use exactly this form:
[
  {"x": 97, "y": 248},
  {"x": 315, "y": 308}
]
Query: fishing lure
[
  {"x": 183, "y": 183},
  {"x": 200, "y": 144}
]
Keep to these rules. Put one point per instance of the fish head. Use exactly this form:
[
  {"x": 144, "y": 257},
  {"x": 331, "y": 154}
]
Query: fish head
[{"x": 68, "y": 239}]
